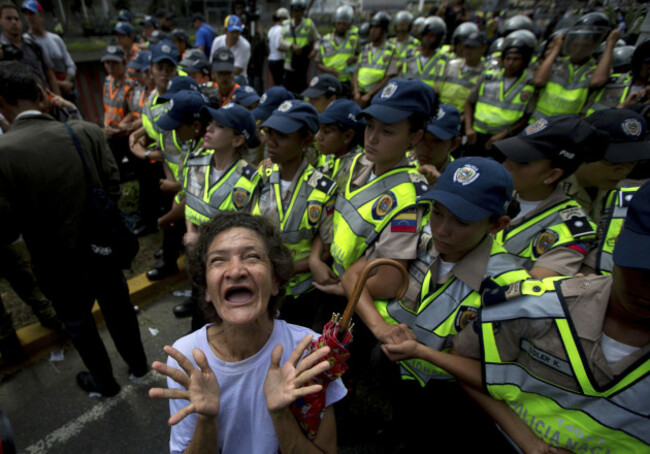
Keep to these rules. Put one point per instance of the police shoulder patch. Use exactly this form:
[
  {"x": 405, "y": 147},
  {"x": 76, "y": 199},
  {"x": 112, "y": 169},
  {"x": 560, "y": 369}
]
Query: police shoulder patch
[
  {"x": 240, "y": 197},
  {"x": 544, "y": 241},
  {"x": 405, "y": 222},
  {"x": 321, "y": 182},
  {"x": 464, "y": 316},
  {"x": 314, "y": 210},
  {"x": 383, "y": 205},
  {"x": 420, "y": 183}
]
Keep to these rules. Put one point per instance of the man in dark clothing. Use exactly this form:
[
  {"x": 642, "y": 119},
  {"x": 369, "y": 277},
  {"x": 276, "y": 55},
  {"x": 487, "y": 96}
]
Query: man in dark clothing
[{"x": 44, "y": 195}]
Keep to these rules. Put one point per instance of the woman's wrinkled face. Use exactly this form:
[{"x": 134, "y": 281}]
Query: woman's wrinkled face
[{"x": 240, "y": 278}]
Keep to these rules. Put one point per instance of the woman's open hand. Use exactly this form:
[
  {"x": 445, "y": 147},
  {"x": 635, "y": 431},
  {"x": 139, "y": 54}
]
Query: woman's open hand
[
  {"x": 283, "y": 385},
  {"x": 201, "y": 386}
]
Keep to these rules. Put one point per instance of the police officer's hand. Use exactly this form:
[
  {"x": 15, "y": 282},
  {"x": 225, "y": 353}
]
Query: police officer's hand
[
  {"x": 394, "y": 334},
  {"x": 357, "y": 98},
  {"x": 352, "y": 60},
  {"x": 365, "y": 100},
  {"x": 112, "y": 130},
  {"x": 155, "y": 155},
  {"x": 633, "y": 99},
  {"x": 495, "y": 138},
  {"x": 169, "y": 186},
  {"x": 556, "y": 43},
  {"x": 332, "y": 289},
  {"x": 296, "y": 49},
  {"x": 613, "y": 37},
  {"x": 190, "y": 238},
  {"x": 471, "y": 135},
  {"x": 322, "y": 273},
  {"x": 430, "y": 173}
]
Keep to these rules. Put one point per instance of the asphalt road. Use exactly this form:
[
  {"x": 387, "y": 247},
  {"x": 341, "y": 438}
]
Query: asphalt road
[{"x": 49, "y": 413}]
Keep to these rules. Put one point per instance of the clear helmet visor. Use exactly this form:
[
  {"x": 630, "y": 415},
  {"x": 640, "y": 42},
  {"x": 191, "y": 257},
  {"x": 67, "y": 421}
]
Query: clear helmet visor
[{"x": 582, "y": 43}]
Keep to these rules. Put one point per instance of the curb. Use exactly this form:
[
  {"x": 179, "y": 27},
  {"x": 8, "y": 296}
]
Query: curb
[{"x": 37, "y": 341}]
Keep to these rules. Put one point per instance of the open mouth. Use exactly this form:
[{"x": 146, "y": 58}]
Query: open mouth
[{"x": 238, "y": 295}]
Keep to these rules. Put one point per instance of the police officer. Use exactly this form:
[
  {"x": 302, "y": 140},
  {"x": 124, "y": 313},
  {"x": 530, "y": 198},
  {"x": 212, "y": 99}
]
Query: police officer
[
  {"x": 337, "y": 50},
  {"x": 300, "y": 200},
  {"x": 619, "y": 86},
  {"x": 565, "y": 81},
  {"x": 552, "y": 233},
  {"x": 501, "y": 103},
  {"x": 137, "y": 97},
  {"x": 125, "y": 38},
  {"x": 322, "y": 91},
  {"x": 457, "y": 259},
  {"x": 377, "y": 62},
  {"x": 427, "y": 63},
  {"x": 223, "y": 74},
  {"x": 197, "y": 66},
  {"x": 299, "y": 35},
  {"x": 461, "y": 75},
  {"x": 628, "y": 132},
  {"x": 115, "y": 97},
  {"x": 441, "y": 138},
  {"x": 583, "y": 345},
  {"x": 404, "y": 42}
]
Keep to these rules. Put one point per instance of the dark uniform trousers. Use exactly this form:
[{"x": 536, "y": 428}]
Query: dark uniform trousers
[{"x": 73, "y": 295}]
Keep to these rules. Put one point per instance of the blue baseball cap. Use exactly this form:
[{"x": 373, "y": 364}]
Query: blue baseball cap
[
  {"x": 292, "y": 115},
  {"x": 123, "y": 28},
  {"x": 446, "y": 124},
  {"x": 177, "y": 84},
  {"x": 270, "y": 101},
  {"x": 31, "y": 5},
  {"x": 114, "y": 53},
  {"x": 635, "y": 236},
  {"x": 401, "y": 98},
  {"x": 342, "y": 111},
  {"x": 149, "y": 20},
  {"x": 164, "y": 50},
  {"x": 233, "y": 24},
  {"x": 223, "y": 60},
  {"x": 184, "y": 107},
  {"x": 473, "y": 189},
  {"x": 237, "y": 117},
  {"x": 629, "y": 140},
  {"x": 141, "y": 62},
  {"x": 245, "y": 96},
  {"x": 195, "y": 61},
  {"x": 158, "y": 36},
  {"x": 323, "y": 84},
  {"x": 124, "y": 15}
]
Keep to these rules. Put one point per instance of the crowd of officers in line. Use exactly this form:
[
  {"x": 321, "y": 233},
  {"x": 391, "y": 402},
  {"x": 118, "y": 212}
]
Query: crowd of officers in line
[{"x": 495, "y": 176}]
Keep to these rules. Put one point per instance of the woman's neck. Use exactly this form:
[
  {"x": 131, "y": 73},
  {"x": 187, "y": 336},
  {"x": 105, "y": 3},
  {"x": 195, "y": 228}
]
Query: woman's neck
[
  {"x": 222, "y": 159},
  {"x": 233, "y": 343},
  {"x": 536, "y": 194},
  {"x": 289, "y": 169},
  {"x": 381, "y": 168}
]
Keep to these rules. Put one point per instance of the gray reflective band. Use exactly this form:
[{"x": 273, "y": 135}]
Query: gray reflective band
[
  {"x": 517, "y": 243},
  {"x": 410, "y": 368},
  {"x": 546, "y": 358},
  {"x": 607, "y": 412},
  {"x": 302, "y": 287},
  {"x": 199, "y": 161},
  {"x": 399, "y": 314},
  {"x": 546, "y": 305}
]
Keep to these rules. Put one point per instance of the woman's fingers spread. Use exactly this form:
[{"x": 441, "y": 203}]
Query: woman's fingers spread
[
  {"x": 300, "y": 349},
  {"x": 181, "y": 359},
  {"x": 311, "y": 359},
  {"x": 181, "y": 414},
  {"x": 168, "y": 393},
  {"x": 177, "y": 375}
]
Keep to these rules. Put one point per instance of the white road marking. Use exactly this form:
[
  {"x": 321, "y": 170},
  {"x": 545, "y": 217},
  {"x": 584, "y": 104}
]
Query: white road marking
[{"x": 74, "y": 428}]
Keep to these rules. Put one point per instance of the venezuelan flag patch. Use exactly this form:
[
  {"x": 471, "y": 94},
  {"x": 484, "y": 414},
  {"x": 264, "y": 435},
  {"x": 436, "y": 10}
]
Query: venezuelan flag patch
[
  {"x": 329, "y": 206},
  {"x": 404, "y": 222},
  {"x": 579, "y": 247}
]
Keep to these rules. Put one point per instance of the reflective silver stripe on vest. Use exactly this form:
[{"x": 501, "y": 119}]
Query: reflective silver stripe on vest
[
  {"x": 291, "y": 231},
  {"x": 578, "y": 81},
  {"x": 299, "y": 289},
  {"x": 519, "y": 242},
  {"x": 349, "y": 209},
  {"x": 211, "y": 208},
  {"x": 438, "y": 311},
  {"x": 606, "y": 412},
  {"x": 546, "y": 305},
  {"x": 464, "y": 80},
  {"x": 169, "y": 150}
]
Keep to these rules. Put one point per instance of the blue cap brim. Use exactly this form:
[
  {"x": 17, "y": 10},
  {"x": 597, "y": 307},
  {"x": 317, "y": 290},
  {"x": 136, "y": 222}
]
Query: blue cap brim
[
  {"x": 217, "y": 115},
  {"x": 167, "y": 123},
  {"x": 111, "y": 58},
  {"x": 385, "y": 114},
  {"x": 283, "y": 124},
  {"x": 158, "y": 59},
  {"x": 627, "y": 248},
  {"x": 459, "y": 207},
  {"x": 440, "y": 133},
  {"x": 262, "y": 112},
  {"x": 312, "y": 92}
]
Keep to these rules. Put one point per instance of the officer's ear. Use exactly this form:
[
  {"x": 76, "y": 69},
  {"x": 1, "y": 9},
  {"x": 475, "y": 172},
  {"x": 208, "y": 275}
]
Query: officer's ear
[
  {"x": 238, "y": 141},
  {"x": 348, "y": 136},
  {"x": 553, "y": 176},
  {"x": 415, "y": 138},
  {"x": 499, "y": 224},
  {"x": 455, "y": 143}
]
